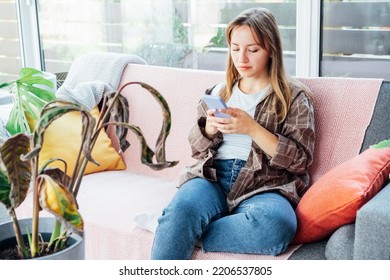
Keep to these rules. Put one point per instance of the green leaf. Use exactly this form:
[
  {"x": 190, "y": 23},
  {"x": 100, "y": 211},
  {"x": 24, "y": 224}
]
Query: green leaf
[
  {"x": 37, "y": 80},
  {"x": 5, "y": 189},
  {"x": 35, "y": 100},
  {"x": 40, "y": 93},
  {"x": 17, "y": 121},
  {"x": 59, "y": 201},
  {"x": 30, "y": 94},
  {"x": 382, "y": 144},
  {"x": 7, "y": 84},
  {"x": 27, "y": 72},
  {"x": 19, "y": 171}
]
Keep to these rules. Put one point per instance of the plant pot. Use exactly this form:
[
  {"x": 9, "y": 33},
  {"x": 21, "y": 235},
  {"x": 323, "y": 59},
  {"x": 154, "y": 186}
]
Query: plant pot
[{"x": 75, "y": 249}]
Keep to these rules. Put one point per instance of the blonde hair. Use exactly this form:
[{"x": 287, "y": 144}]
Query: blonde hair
[{"x": 266, "y": 32}]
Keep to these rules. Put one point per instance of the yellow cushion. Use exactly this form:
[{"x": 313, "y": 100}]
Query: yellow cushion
[{"x": 63, "y": 139}]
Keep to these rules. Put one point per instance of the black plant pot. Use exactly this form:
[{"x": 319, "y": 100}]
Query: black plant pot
[{"x": 75, "y": 249}]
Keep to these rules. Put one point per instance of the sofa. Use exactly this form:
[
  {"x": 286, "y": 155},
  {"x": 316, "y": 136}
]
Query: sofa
[{"x": 120, "y": 205}]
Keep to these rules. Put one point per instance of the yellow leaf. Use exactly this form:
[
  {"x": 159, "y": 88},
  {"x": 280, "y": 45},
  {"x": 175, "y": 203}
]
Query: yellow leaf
[{"x": 59, "y": 201}]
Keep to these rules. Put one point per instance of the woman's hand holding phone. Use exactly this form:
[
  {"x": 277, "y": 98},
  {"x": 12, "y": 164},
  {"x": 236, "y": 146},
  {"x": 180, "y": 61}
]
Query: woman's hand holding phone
[
  {"x": 236, "y": 121},
  {"x": 215, "y": 104}
]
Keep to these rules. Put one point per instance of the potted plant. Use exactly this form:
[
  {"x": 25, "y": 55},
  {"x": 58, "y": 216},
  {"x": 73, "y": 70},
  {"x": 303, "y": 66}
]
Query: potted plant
[
  {"x": 214, "y": 54},
  {"x": 218, "y": 41},
  {"x": 52, "y": 189}
]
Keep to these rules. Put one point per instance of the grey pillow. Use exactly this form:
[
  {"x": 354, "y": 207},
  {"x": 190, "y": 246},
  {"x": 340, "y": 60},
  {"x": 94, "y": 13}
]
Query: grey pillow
[{"x": 340, "y": 244}]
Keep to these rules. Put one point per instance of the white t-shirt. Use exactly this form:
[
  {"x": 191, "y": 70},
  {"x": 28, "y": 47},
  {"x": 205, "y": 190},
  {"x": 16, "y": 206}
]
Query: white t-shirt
[{"x": 238, "y": 145}]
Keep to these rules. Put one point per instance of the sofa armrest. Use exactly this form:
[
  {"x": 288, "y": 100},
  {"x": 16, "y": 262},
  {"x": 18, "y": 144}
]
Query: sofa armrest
[{"x": 372, "y": 239}]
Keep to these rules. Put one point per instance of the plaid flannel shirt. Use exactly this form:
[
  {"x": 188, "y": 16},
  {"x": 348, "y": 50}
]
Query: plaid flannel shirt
[{"x": 285, "y": 172}]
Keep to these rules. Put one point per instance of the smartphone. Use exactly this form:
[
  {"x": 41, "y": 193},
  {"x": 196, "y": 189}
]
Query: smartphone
[{"x": 216, "y": 102}]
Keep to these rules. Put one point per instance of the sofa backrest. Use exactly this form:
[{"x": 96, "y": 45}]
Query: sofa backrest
[
  {"x": 343, "y": 109},
  {"x": 379, "y": 128}
]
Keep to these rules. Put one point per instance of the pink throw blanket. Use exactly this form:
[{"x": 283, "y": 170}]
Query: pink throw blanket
[{"x": 343, "y": 110}]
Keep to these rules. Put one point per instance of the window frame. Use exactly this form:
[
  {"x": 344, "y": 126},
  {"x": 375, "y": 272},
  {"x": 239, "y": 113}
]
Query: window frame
[
  {"x": 307, "y": 32},
  {"x": 29, "y": 36}
]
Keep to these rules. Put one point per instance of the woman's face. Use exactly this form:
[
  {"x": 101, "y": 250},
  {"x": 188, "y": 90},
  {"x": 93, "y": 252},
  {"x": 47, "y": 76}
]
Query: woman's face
[{"x": 249, "y": 58}]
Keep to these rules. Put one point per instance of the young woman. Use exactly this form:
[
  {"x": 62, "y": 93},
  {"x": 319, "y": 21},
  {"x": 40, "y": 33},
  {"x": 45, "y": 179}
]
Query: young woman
[{"x": 252, "y": 167}]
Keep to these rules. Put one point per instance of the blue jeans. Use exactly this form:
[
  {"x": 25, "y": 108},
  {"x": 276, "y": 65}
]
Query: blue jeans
[{"x": 262, "y": 224}]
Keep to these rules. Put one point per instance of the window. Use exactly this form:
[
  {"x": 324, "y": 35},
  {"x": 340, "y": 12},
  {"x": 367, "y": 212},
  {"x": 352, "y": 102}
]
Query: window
[
  {"x": 206, "y": 23},
  {"x": 334, "y": 38},
  {"x": 356, "y": 39},
  {"x": 10, "y": 61},
  {"x": 175, "y": 33}
]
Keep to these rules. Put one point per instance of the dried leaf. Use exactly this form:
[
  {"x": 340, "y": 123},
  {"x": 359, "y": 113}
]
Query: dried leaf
[
  {"x": 18, "y": 170},
  {"x": 58, "y": 175},
  {"x": 147, "y": 154},
  {"x": 120, "y": 113},
  {"x": 55, "y": 110}
]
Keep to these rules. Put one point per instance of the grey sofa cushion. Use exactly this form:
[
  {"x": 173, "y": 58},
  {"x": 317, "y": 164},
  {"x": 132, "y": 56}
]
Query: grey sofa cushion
[
  {"x": 310, "y": 251},
  {"x": 378, "y": 128},
  {"x": 340, "y": 244},
  {"x": 368, "y": 237},
  {"x": 372, "y": 228}
]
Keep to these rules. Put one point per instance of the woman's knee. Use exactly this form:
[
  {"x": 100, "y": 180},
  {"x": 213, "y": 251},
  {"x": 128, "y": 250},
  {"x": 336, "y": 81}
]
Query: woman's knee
[
  {"x": 274, "y": 224},
  {"x": 197, "y": 200},
  {"x": 182, "y": 206}
]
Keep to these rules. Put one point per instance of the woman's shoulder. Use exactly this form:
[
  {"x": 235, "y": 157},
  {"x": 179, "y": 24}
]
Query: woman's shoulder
[
  {"x": 216, "y": 89},
  {"x": 299, "y": 88}
]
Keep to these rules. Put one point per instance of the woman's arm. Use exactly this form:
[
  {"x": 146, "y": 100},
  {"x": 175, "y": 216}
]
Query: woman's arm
[
  {"x": 296, "y": 141},
  {"x": 292, "y": 148}
]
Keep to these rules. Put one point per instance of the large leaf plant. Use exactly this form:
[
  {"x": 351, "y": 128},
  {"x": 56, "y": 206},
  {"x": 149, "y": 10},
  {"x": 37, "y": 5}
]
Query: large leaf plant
[
  {"x": 52, "y": 189},
  {"x": 31, "y": 91}
]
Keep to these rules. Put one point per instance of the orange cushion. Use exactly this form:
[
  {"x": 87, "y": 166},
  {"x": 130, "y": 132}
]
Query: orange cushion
[
  {"x": 63, "y": 138},
  {"x": 336, "y": 197}
]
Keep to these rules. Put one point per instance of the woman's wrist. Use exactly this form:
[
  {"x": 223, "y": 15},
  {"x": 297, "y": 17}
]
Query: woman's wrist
[
  {"x": 209, "y": 134},
  {"x": 253, "y": 129},
  {"x": 265, "y": 139}
]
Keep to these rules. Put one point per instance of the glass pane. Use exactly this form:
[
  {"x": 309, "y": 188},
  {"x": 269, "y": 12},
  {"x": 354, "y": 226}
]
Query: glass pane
[
  {"x": 174, "y": 33},
  {"x": 10, "y": 61},
  {"x": 356, "y": 39},
  {"x": 209, "y": 19}
]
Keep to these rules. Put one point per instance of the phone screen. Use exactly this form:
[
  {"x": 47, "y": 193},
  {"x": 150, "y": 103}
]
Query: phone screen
[{"x": 216, "y": 102}]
